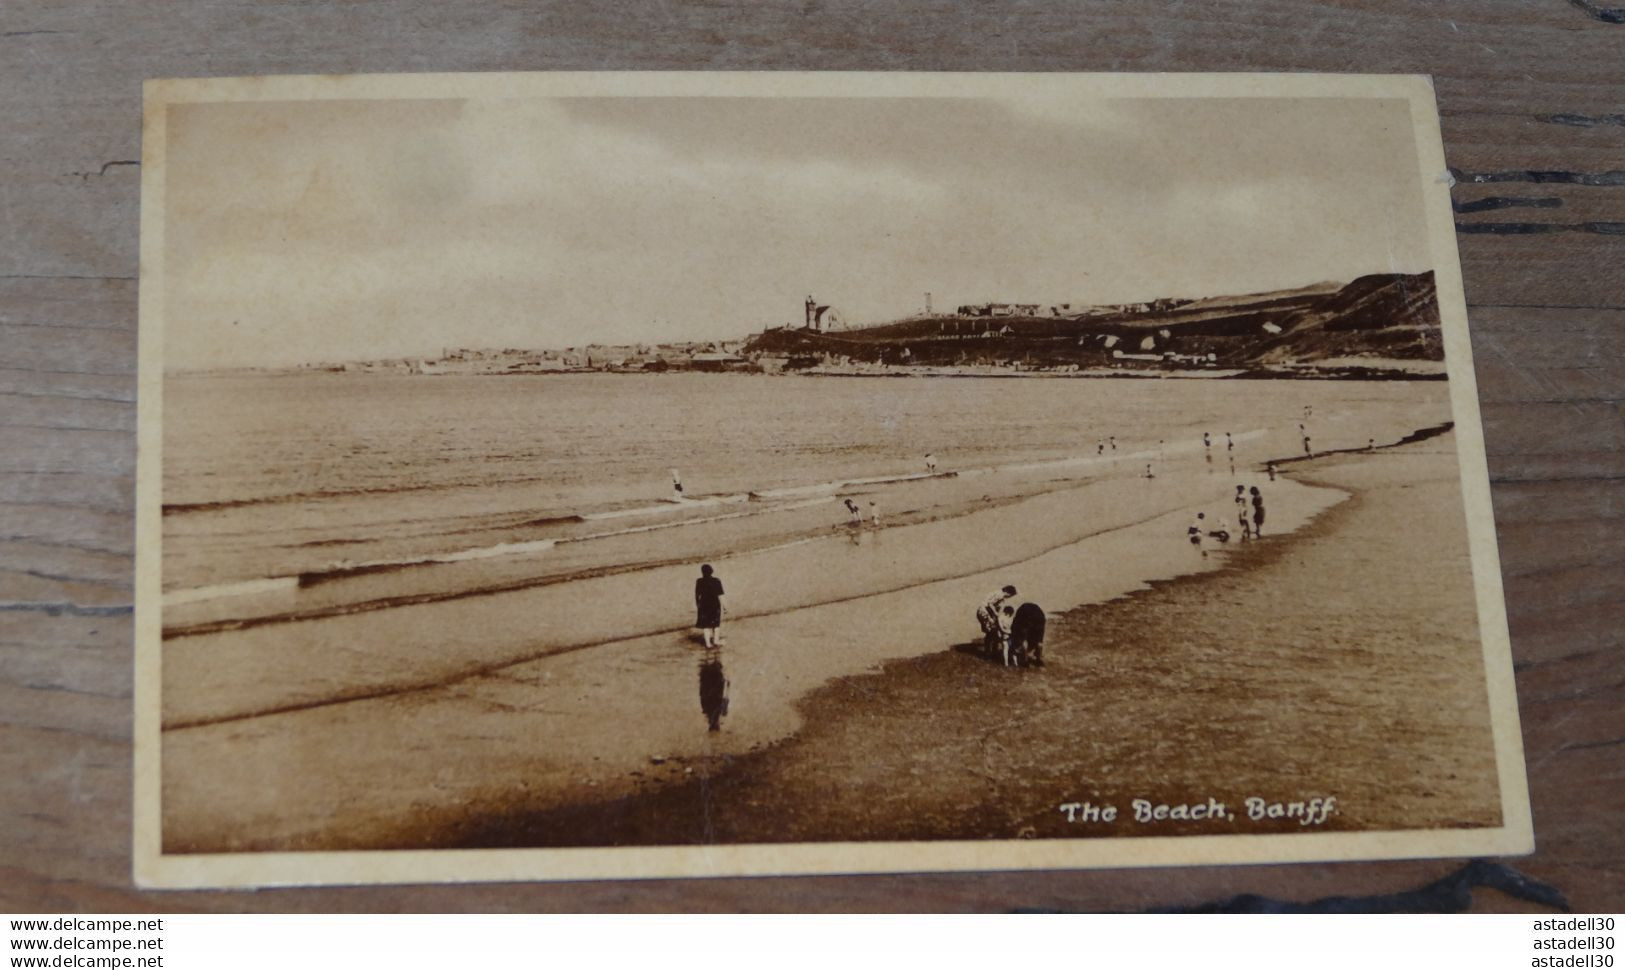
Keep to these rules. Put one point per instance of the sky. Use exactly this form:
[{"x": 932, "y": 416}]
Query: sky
[{"x": 337, "y": 230}]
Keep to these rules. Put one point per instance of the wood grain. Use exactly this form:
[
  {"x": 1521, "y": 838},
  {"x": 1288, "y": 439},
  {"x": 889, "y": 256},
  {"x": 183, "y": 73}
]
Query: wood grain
[{"x": 1530, "y": 92}]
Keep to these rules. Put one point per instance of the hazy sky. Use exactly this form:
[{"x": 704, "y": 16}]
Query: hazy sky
[{"x": 331, "y": 230}]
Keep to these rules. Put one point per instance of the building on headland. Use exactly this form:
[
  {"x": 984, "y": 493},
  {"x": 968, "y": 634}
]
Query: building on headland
[
  {"x": 1004, "y": 310},
  {"x": 716, "y": 361},
  {"x": 818, "y": 317}
]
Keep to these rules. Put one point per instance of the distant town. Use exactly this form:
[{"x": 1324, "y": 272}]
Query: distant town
[{"x": 1382, "y": 326}]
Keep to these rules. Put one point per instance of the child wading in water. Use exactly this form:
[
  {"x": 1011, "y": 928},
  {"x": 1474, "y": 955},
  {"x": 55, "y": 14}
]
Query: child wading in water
[{"x": 1197, "y": 531}]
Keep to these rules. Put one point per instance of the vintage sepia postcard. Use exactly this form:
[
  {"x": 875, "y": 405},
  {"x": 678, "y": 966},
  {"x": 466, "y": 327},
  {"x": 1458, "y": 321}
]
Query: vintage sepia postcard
[{"x": 641, "y": 475}]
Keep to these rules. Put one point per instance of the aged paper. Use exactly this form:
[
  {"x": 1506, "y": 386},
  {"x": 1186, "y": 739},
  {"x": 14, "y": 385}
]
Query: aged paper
[{"x": 564, "y": 476}]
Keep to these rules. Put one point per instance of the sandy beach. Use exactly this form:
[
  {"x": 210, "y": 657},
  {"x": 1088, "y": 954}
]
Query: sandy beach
[
  {"x": 1203, "y": 687},
  {"x": 1262, "y": 670}
]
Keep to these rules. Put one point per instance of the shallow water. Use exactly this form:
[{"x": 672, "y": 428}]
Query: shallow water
[
  {"x": 601, "y": 721},
  {"x": 272, "y": 476}
]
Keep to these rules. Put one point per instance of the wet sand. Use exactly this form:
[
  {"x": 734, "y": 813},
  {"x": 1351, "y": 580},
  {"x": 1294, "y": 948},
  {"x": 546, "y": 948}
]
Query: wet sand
[
  {"x": 1311, "y": 664},
  {"x": 604, "y": 719},
  {"x": 475, "y": 621},
  {"x": 1340, "y": 661}
]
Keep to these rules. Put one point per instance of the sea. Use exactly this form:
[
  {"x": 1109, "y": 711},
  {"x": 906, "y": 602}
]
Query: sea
[
  {"x": 390, "y": 599},
  {"x": 274, "y": 476}
]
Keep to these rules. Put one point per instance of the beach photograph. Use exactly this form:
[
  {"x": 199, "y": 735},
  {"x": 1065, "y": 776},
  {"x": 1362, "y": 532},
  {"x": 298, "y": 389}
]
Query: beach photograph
[{"x": 614, "y": 477}]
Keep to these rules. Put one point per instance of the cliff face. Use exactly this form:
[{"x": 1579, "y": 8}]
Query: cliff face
[{"x": 1372, "y": 320}]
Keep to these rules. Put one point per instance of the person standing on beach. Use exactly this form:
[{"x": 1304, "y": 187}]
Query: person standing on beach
[
  {"x": 708, "y": 606},
  {"x": 874, "y": 514},
  {"x": 1197, "y": 531},
  {"x": 676, "y": 484},
  {"x": 1269, "y": 466},
  {"x": 1100, "y": 449},
  {"x": 1113, "y": 439},
  {"x": 1241, "y": 512},
  {"x": 1229, "y": 442},
  {"x": 1207, "y": 441},
  {"x": 930, "y": 463},
  {"x": 1306, "y": 444},
  {"x": 853, "y": 510},
  {"x": 1258, "y": 513}
]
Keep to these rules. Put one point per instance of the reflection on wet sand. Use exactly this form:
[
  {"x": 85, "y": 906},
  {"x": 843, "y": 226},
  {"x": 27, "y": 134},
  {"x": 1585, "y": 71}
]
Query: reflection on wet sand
[
  {"x": 713, "y": 688},
  {"x": 271, "y": 731}
]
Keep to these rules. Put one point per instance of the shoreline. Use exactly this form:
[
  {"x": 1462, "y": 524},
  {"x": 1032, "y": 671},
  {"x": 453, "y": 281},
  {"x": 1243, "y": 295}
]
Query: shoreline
[
  {"x": 339, "y": 756},
  {"x": 410, "y": 727},
  {"x": 1002, "y": 759}
]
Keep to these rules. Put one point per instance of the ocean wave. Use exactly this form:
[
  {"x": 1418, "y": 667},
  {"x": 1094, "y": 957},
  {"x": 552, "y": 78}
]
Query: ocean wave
[
  {"x": 341, "y": 570},
  {"x": 781, "y": 499}
]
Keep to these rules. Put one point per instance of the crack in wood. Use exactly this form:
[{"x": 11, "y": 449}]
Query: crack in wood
[
  {"x": 47, "y": 276},
  {"x": 44, "y": 687},
  {"x": 1492, "y": 202},
  {"x": 66, "y": 427},
  {"x": 1545, "y": 306},
  {"x": 1582, "y": 121},
  {"x": 1608, "y": 15},
  {"x": 63, "y": 578},
  {"x": 67, "y": 609},
  {"x": 1614, "y": 177},
  {"x": 1540, "y": 228},
  {"x": 1584, "y": 745},
  {"x": 86, "y": 176},
  {"x": 1582, "y": 655}
]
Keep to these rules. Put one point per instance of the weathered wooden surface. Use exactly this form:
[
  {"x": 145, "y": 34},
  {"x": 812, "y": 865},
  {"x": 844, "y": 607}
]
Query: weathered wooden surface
[{"x": 1531, "y": 93}]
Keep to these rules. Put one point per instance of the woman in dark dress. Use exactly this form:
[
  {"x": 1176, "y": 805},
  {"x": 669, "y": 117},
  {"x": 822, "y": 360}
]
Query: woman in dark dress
[
  {"x": 1258, "y": 513},
  {"x": 708, "y": 605}
]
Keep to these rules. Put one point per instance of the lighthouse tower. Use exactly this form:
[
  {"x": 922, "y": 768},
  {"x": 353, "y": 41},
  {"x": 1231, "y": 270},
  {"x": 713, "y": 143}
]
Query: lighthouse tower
[{"x": 819, "y": 316}]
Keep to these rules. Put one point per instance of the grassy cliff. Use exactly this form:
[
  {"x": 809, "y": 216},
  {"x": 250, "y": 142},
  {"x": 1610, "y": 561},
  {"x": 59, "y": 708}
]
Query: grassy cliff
[{"x": 1376, "y": 319}]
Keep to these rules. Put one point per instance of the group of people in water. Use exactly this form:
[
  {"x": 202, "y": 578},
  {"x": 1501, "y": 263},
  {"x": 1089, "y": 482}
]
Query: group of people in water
[
  {"x": 1014, "y": 635},
  {"x": 1249, "y": 520},
  {"x": 858, "y": 514}
]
